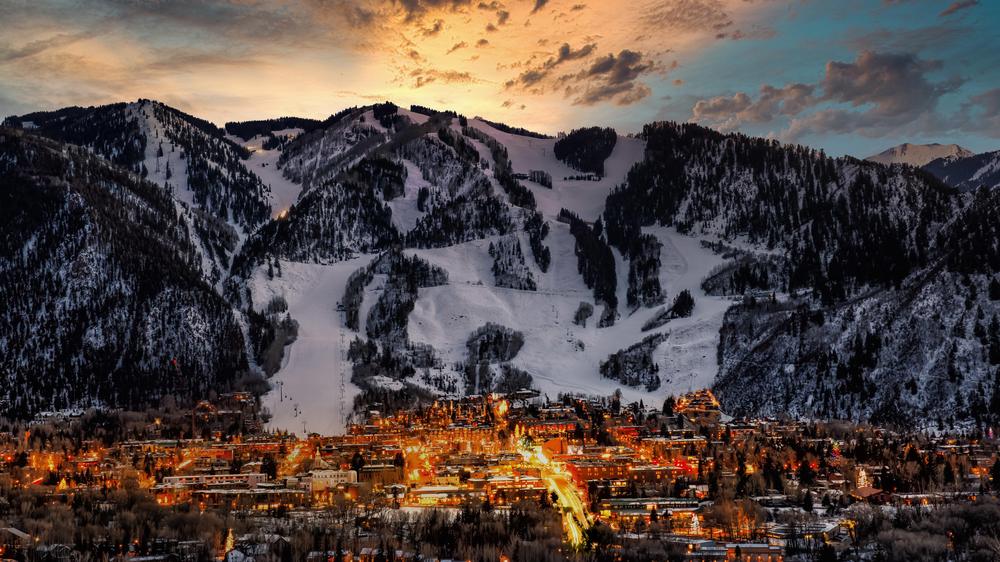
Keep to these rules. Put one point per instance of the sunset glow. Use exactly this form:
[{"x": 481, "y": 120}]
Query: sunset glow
[{"x": 544, "y": 64}]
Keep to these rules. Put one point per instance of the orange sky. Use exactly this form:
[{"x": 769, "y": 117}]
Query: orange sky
[
  {"x": 850, "y": 76},
  {"x": 535, "y": 62}
]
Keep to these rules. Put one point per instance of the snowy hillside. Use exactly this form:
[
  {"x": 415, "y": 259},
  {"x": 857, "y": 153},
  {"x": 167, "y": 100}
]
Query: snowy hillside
[
  {"x": 968, "y": 173},
  {"x": 104, "y": 301}
]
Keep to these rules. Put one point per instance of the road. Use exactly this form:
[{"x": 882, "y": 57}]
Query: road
[{"x": 576, "y": 518}]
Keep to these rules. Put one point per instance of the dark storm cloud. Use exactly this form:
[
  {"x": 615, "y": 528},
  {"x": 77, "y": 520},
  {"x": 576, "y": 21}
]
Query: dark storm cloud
[{"x": 539, "y": 4}]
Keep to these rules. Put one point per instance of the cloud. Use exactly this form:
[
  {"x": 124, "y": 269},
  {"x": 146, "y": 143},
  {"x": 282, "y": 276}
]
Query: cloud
[
  {"x": 423, "y": 77},
  {"x": 958, "y": 6},
  {"x": 434, "y": 29},
  {"x": 457, "y": 46},
  {"x": 916, "y": 40},
  {"x": 416, "y": 9},
  {"x": 535, "y": 75},
  {"x": 41, "y": 45},
  {"x": 895, "y": 84},
  {"x": 612, "y": 78},
  {"x": 882, "y": 92},
  {"x": 687, "y": 16},
  {"x": 981, "y": 113},
  {"x": 539, "y": 4}
]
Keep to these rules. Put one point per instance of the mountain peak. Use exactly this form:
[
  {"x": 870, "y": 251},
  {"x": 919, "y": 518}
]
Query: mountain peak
[{"x": 918, "y": 154}]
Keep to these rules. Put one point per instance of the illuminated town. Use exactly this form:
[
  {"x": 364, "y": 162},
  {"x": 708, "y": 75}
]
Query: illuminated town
[{"x": 590, "y": 478}]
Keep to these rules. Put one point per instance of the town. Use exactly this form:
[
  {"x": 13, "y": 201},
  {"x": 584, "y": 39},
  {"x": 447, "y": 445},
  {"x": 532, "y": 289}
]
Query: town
[{"x": 571, "y": 478}]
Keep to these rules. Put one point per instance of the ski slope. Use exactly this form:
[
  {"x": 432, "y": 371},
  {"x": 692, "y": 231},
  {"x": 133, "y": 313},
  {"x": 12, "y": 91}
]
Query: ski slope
[
  {"x": 445, "y": 316},
  {"x": 264, "y": 163},
  {"x": 312, "y": 392},
  {"x": 585, "y": 198}
]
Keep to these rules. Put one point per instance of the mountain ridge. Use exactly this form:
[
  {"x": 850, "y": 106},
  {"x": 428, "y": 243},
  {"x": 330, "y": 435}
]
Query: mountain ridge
[
  {"x": 676, "y": 208},
  {"x": 919, "y": 154}
]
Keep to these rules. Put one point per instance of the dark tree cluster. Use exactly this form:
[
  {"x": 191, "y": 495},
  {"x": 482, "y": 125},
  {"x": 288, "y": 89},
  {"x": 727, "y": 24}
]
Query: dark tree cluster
[
  {"x": 388, "y": 317},
  {"x": 462, "y": 147},
  {"x": 381, "y": 174},
  {"x": 487, "y": 346},
  {"x": 512, "y": 379},
  {"x": 748, "y": 273},
  {"x": 537, "y": 229},
  {"x": 682, "y": 307},
  {"x": 842, "y": 222},
  {"x": 595, "y": 262},
  {"x": 514, "y": 130},
  {"x": 493, "y": 343},
  {"x": 586, "y": 149},
  {"x": 332, "y": 222},
  {"x": 387, "y": 114},
  {"x": 432, "y": 112},
  {"x": 973, "y": 240},
  {"x": 462, "y": 219},
  {"x": 270, "y": 331},
  {"x": 635, "y": 366},
  {"x": 644, "y": 272},
  {"x": 247, "y": 130},
  {"x": 583, "y": 312},
  {"x": 108, "y": 129},
  {"x": 509, "y": 268},
  {"x": 387, "y": 320},
  {"x": 503, "y": 170}
]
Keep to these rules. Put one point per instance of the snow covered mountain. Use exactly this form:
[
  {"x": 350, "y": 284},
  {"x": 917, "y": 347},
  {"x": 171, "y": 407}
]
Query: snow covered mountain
[
  {"x": 918, "y": 154},
  {"x": 968, "y": 173},
  {"x": 383, "y": 255},
  {"x": 104, "y": 298}
]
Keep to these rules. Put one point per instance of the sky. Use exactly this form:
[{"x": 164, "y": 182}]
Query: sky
[{"x": 849, "y": 76}]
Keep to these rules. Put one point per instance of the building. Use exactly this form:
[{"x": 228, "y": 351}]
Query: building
[
  {"x": 198, "y": 480},
  {"x": 322, "y": 480}
]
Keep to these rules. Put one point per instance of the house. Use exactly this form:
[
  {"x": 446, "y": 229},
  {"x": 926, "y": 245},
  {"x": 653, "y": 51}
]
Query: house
[
  {"x": 260, "y": 548},
  {"x": 871, "y": 495}
]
